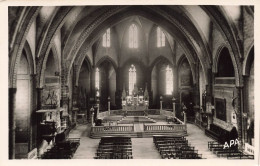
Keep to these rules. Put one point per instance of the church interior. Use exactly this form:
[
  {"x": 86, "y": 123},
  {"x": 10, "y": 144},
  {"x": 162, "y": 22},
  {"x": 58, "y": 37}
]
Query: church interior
[{"x": 113, "y": 82}]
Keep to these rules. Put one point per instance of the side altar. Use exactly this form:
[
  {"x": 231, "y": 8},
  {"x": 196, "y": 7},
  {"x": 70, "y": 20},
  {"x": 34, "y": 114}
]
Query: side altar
[{"x": 138, "y": 100}]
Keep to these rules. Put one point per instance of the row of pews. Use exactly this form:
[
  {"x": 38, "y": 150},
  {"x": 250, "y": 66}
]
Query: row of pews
[
  {"x": 175, "y": 147},
  {"x": 62, "y": 150},
  {"x": 231, "y": 153},
  {"x": 114, "y": 148}
]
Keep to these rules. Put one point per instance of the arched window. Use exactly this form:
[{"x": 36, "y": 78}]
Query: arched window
[
  {"x": 169, "y": 81},
  {"x": 106, "y": 38},
  {"x": 160, "y": 38},
  {"x": 97, "y": 79},
  {"x": 132, "y": 78},
  {"x": 133, "y": 36},
  {"x": 225, "y": 65}
]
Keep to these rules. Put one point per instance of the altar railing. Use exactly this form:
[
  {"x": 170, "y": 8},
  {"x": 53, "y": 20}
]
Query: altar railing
[
  {"x": 168, "y": 127},
  {"x": 103, "y": 129}
]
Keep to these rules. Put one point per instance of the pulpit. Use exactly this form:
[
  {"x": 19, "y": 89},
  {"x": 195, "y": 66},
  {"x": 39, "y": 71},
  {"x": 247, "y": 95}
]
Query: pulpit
[{"x": 50, "y": 123}]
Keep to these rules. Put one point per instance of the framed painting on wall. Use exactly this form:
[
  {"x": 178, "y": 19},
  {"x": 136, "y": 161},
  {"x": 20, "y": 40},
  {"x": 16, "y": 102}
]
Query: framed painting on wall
[{"x": 220, "y": 107}]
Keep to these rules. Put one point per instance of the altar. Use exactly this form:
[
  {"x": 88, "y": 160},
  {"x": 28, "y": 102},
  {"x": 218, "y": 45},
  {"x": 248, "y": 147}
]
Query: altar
[{"x": 137, "y": 101}]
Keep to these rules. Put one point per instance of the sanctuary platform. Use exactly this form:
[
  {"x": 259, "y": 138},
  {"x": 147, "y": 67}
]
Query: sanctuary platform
[{"x": 138, "y": 124}]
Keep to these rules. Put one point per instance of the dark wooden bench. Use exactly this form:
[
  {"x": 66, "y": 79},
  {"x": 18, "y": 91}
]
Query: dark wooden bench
[
  {"x": 240, "y": 156},
  {"x": 114, "y": 148}
]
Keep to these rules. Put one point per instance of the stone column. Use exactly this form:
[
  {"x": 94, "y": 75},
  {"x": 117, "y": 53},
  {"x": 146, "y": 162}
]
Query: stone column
[
  {"x": 92, "y": 82},
  {"x": 97, "y": 108},
  {"x": 175, "y": 81},
  {"x": 173, "y": 107},
  {"x": 65, "y": 99},
  {"x": 161, "y": 104},
  {"x": 239, "y": 113},
  {"x": 92, "y": 116},
  {"x": 75, "y": 114},
  {"x": 12, "y": 100},
  {"x": 39, "y": 98},
  {"x": 108, "y": 105},
  {"x": 184, "y": 115},
  {"x": 185, "y": 118}
]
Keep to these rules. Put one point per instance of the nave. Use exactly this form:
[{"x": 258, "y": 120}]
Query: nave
[
  {"x": 143, "y": 148},
  {"x": 153, "y": 74}
]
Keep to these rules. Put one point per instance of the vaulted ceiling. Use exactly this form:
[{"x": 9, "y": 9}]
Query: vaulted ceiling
[{"x": 74, "y": 30}]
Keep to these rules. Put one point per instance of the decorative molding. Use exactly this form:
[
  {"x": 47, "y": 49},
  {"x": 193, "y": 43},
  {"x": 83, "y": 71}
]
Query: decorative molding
[
  {"x": 20, "y": 40},
  {"x": 43, "y": 56},
  {"x": 227, "y": 31}
]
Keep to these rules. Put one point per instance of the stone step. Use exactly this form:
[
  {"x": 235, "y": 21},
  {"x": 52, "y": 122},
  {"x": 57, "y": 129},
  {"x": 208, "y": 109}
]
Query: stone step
[{"x": 136, "y": 119}]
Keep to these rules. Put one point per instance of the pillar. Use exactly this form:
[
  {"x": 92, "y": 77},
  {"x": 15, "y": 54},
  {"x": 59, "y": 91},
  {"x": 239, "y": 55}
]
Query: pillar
[
  {"x": 108, "y": 105},
  {"x": 184, "y": 114},
  {"x": 173, "y": 107},
  {"x": 92, "y": 116},
  {"x": 97, "y": 108},
  {"x": 75, "y": 114},
  {"x": 92, "y": 82},
  {"x": 185, "y": 118},
  {"x": 160, "y": 104},
  {"x": 245, "y": 114},
  {"x": 39, "y": 106},
  {"x": 12, "y": 93},
  {"x": 239, "y": 114},
  {"x": 39, "y": 97},
  {"x": 65, "y": 101},
  {"x": 175, "y": 72},
  {"x": 119, "y": 87},
  {"x": 211, "y": 77}
]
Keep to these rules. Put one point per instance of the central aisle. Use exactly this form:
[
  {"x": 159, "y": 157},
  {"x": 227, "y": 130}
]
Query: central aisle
[{"x": 143, "y": 148}]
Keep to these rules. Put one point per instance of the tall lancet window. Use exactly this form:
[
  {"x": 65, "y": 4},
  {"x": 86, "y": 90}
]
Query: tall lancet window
[
  {"x": 106, "y": 38},
  {"x": 97, "y": 79},
  {"x": 132, "y": 78},
  {"x": 160, "y": 38},
  {"x": 133, "y": 36},
  {"x": 169, "y": 80}
]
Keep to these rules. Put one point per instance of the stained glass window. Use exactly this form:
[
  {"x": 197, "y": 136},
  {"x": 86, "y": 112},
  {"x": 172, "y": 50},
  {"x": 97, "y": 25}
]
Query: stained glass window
[
  {"x": 160, "y": 38},
  {"x": 132, "y": 78},
  {"x": 133, "y": 36},
  {"x": 106, "y": 38},
  {"x": 169, "y": 81}
]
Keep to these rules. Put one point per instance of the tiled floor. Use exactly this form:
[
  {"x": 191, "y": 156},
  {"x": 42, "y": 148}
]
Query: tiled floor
[
  {"x": 199, "y": 140},
  {"x": 143, "y": 148}
]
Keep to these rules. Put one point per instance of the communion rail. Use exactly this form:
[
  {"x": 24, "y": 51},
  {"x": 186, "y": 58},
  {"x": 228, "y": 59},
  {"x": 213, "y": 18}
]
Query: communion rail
[
  {"x": 168, "y": 127},
  {"x": 103, "y": 129}
]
